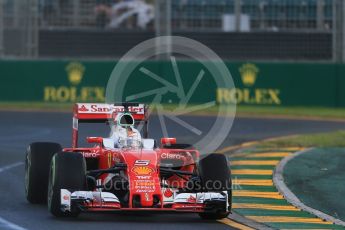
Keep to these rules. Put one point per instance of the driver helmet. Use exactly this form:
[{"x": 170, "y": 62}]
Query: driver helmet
[{"x": 128, "y": 135}]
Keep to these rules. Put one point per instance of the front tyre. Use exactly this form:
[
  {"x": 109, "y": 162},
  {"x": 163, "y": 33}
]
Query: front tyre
[
  {"x": 37, "y": 164},
  {"x": 215, "y": 175},
  {"x": 67, "y": 171}
]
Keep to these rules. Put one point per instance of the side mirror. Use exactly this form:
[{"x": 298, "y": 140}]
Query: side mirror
[
  {"x": 98, "y": 140},
  {"x": 168, "y": 141}
]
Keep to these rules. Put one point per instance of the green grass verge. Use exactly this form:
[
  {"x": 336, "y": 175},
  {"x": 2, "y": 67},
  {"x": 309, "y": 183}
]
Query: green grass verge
[
  {"x": 331, "y": 139},
  {"x": 295, "y": 112},
  {"x": 279, "y": 111},
  {"x": 242, "y": 110}
]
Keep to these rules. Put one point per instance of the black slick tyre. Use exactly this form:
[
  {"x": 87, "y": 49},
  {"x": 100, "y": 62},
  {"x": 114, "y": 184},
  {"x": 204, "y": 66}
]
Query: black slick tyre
[
  {"x": 215, "y": 175},
  {"x": 67, "y": 171},
  {"x": 37, "y": 164}
]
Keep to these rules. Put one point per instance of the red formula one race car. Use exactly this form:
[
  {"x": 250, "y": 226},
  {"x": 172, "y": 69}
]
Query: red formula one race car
[{"x": 126, "y": 171}]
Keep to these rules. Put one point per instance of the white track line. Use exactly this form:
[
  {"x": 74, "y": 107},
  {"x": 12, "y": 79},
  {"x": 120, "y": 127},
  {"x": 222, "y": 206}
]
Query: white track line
[
  {"x": 4, "y": 224},
  {"x": 8, "y": 167}
]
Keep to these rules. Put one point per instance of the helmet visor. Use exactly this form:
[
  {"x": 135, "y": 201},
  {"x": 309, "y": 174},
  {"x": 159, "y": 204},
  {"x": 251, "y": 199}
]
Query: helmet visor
[{"x": 126, "y": 120}]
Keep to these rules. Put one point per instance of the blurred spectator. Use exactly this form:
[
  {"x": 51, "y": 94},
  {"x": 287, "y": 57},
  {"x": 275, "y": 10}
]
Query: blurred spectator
[
  {"x": 47, "y": 7},
  {"x": 126, "y": 13},
  {"x": 53, "y": 10}
]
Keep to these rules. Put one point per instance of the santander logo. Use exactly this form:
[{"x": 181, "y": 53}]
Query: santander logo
[
  {"x": 191, "y": 199},
  {"x": 83, "y": 109},
  {"x": 168, "y": 193},
  {"x": 108, "y": 108}
]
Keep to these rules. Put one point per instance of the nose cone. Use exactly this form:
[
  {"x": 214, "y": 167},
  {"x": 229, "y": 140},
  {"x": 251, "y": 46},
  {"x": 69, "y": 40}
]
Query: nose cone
[{"x": 143, "y": 177}]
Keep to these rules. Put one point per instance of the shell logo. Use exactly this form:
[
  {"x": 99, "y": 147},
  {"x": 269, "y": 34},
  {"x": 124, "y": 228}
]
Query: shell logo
[{"x": 142, "y": 170}]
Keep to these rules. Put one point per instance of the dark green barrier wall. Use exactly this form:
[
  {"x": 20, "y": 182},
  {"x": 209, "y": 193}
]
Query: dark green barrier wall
[{"x": 276, "y": 84}]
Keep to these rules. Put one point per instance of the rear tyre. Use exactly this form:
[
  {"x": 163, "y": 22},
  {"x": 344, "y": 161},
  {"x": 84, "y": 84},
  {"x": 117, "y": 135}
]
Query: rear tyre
[
  {"x": 37, "y": 164},
  {"x": 215, "y": 175},
  {"x": 67, "y": 171}
]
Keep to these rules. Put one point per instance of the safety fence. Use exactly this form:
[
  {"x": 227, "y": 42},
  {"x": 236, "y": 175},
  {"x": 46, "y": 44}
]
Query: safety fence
[
  {"x": 221, "y": 15},
  {"x": 41, "y": 28}
]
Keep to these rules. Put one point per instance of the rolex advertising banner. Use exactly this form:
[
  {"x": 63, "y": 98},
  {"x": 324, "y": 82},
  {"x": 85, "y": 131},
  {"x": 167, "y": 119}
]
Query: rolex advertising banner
[
  {"x": 282, "y": 84},
  {"x": 273, "y": 84},
  {"x": 53, "y": 81}
]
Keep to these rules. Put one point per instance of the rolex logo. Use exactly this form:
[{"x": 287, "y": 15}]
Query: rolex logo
[
  {"x": 75, "y": 71},
  {"x": 249, "y": 74}
]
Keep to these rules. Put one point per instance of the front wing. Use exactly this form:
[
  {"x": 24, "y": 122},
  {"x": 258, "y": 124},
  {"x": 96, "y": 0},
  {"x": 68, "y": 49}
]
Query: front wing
[{"x": 182, "y": 202}]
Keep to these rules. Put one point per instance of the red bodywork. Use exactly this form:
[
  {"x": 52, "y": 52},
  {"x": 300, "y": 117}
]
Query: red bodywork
[{"x": 143, "y": 166}]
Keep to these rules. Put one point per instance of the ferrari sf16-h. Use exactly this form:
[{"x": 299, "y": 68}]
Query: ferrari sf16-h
[{"x": 126, "y": 171}]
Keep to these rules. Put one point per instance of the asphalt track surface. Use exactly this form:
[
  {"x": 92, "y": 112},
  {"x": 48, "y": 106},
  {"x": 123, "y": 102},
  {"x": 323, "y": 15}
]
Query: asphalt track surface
[
  {"x": 18, "y": 129},
  {"x": 316, "y": 177}
]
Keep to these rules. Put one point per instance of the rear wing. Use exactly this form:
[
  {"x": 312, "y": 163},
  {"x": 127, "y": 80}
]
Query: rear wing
[{"x": 101, "y": 113}]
